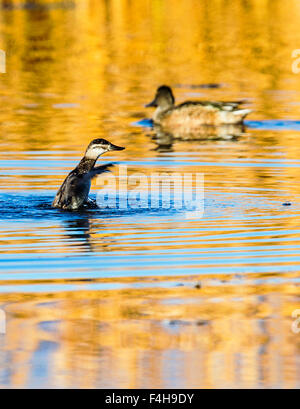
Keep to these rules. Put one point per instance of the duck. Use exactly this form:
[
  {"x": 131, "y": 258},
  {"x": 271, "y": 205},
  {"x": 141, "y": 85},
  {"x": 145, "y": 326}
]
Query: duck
[
  {"x": 190, "y": 115},
  {"x": 74, "y": 191}
]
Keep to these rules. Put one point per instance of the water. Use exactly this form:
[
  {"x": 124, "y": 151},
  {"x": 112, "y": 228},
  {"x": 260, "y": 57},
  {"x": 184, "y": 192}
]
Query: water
[{"x": 149, "y": 297}]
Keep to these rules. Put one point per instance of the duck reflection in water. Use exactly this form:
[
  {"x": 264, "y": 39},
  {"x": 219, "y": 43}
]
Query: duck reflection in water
[
  {"x": 165, "y": 139},
  {"x": 81, "y": 232}
]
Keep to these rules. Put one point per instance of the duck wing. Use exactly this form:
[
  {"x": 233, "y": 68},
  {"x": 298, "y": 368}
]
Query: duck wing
[
  {"x": 72, "y": 187},
  {"x": 215, "y": 105},
  {"x": 60, "y": 194},
  {"x": 97, "y": 170}
]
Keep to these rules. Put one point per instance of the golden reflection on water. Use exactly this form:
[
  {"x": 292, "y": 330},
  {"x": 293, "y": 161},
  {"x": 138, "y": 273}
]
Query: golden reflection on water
[
  {"x": 179, "y": 336},
  {"x": 85, "y": 69},
  {"x": 107, "y": 57}
]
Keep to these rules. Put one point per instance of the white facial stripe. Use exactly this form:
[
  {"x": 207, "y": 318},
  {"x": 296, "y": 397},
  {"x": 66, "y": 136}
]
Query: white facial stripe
[{"x": 95, "y": 151}]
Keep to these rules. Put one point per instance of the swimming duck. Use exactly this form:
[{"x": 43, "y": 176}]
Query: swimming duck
[
  {"x": 73, "y": 193},
  {"x": 192, "y": 114}
]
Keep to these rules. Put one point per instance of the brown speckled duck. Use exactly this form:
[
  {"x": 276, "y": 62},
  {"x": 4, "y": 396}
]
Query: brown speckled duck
[{"x": 193, "y": 114}]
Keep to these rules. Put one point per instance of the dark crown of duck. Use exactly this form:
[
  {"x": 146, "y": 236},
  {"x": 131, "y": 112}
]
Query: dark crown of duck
[{"x": 163, "y": 98}]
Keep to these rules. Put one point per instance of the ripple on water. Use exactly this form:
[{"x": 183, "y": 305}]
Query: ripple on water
[{"x": 45, "y": 244}]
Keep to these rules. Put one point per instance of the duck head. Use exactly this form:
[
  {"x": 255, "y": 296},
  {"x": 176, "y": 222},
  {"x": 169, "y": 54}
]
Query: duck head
[
  {"x": 99, "y": 146},
  {"x": 164, "y": 98}
]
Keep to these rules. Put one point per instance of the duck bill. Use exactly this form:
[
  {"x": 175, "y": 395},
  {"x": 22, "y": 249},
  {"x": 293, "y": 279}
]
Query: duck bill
[
  {"x": 115, "y": 148},
  {"x": 151, "y": 104}
]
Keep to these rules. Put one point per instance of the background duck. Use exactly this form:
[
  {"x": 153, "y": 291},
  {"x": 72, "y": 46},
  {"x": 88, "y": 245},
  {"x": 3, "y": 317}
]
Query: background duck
[{"x": 192, "y": 114}]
